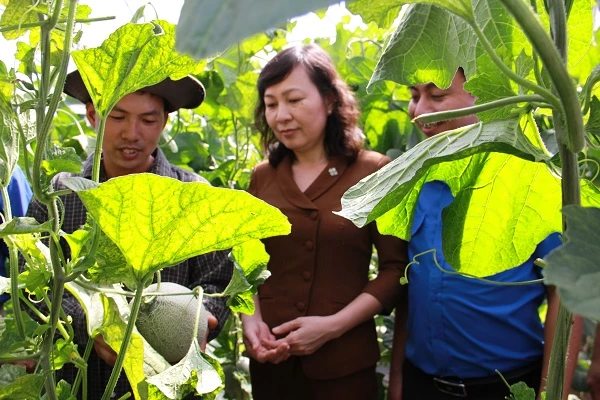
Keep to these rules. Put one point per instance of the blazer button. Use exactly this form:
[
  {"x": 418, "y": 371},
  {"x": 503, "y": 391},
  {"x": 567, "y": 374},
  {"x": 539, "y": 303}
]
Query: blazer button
[
  {"x": 300, "y": 306},
  {"x": 306, "y": 275},
  {"x": 309, "y": 245},
  {"x": 314, "y": 215}
]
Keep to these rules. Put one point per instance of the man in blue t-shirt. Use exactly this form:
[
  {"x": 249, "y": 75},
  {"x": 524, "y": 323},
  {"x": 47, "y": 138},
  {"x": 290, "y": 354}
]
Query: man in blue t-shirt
[
  {"x": 19, "y": 194},
  {"x": 457, "y": 331}
]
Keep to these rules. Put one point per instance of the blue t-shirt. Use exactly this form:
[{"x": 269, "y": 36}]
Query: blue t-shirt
[
  {"x": 19, "y": 194},
  {"x": 462, "y": 327}
]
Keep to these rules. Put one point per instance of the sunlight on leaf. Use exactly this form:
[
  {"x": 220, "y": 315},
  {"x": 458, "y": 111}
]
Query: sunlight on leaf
[
  {"x": 195, "y": 372},
  {"x": 382, "y": 12},
  {"x": 428, "y": 46},
  {"x": 368, "y": 199},
  {"x": 158, "y": 222},
  {"x": 113, "y": 331},
  {"x": 478, "y": 225},
  {"x": 574, "y": 267},
  {"x": 17, "y": 12},
  {"x": 132, "y": 57}
]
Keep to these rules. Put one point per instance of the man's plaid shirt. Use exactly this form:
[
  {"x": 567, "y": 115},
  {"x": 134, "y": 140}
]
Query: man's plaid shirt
[{"x": 211, "y": 271}]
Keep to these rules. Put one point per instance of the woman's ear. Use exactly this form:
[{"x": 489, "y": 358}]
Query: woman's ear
[
  {"x": 330, "y": 103},
  {"x": 90, "y": 113}
]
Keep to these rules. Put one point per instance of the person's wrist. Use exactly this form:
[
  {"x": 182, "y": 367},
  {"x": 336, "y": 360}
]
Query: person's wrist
[{"x": 337, "y": 326}]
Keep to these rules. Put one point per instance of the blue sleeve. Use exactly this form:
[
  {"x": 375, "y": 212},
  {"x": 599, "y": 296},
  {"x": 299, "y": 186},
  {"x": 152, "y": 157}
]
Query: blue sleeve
[
  {"x": 551, "y": 242},
  {"x": 19, "y": 193}
]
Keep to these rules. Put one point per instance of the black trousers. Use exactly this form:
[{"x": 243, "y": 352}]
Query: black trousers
[
  {"x": 417, "y": 385},
  {"x": 287, "y": 381}
]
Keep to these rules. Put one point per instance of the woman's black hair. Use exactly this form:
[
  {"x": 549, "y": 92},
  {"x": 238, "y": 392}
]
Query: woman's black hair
[{"x": 342, "y": 136}]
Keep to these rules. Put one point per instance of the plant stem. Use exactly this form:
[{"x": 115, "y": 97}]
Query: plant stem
[
  {"x": 58, "y": 288},
  {"x": 13, "y": 267},
  {"x": 98, "y": 150},
  {"x": 30, "y": 25},
  {"x": 198, "y": 310},
  {"x": 462, "y": 112},
  {"x": 10, "y": 359},
  {"x": 570, "y": 109},
  {"x": 526, "y": 83},
  {"x": 62, "y": 68},
  {"x": 571, "y": 193},
  {"x": 135, "y": 308},
  {"x": 81, "y": 372}
]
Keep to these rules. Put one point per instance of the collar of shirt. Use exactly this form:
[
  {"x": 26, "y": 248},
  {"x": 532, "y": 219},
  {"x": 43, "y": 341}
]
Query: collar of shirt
[{"x": 161, "y": 166}]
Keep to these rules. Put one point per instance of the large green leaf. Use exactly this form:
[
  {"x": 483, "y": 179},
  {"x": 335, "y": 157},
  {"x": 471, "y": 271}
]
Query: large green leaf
[
  {"x": 499, "y": 199},
  {"x": 207, "y": 27},
  {"x": 428, "y": 46},
  {"x": 574, "y": 267},
  {"x": 434, "y": 39},
  {"x": 196, "y": 372},
  {"x": 158, "y": 222},
  {"x": 368, "y": 200},
  {"x": 133, "y": 57}
]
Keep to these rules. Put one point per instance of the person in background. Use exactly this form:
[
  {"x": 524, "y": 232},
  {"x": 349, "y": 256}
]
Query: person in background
[
  {"x": 456, "y": 331},
  {"x": 130, "y": 145},
  {"x": 19, "y": 195},
  {"x": 312, "y": 335}
]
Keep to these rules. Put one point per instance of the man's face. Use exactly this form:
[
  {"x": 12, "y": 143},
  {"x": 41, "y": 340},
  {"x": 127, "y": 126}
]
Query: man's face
[
  {"x": 428, "y": 98},
  {"x": 132, "y": 131}
]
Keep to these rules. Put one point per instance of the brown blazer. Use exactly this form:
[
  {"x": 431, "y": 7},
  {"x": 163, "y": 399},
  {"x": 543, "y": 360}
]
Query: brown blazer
[{"x": 324, "y": 263}]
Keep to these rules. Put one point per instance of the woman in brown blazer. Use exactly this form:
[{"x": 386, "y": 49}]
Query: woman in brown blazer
[{"x": 313, "y": 334}]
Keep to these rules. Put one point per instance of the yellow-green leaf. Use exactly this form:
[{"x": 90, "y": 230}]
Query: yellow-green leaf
[{"x": 159, "y": 222}]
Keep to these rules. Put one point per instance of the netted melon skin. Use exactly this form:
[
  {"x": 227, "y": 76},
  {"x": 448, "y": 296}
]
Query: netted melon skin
[{"x": 167, "y": 323}]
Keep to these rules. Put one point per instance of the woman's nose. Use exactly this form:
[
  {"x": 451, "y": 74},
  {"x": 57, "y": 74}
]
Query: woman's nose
[{"x": 283, "y": 113}]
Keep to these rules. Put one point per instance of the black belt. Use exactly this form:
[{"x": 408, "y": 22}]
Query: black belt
[{"x": 476, "y": 386}]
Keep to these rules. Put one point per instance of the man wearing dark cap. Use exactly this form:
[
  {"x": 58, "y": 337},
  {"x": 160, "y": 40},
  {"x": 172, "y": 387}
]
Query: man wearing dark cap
[{"x": 130, "y": 145}]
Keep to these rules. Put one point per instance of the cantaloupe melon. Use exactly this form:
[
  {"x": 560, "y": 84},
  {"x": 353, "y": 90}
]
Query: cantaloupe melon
[{"x": 167, "y": 322}]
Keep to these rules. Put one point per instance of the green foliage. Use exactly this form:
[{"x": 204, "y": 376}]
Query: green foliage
[
  {"x": 382, "y": 12},
  {"x": 250, "y": 271},
  {"x": 207, "y": 27},
  {"x": 15, "y": 383},
  {"x": 174, "y": 221},
  {"x": 133, "y": 57},
  {"x": 195, "y": 373},
  {"x": 113, "y": 331},
  {"x": 520, "y": 391},
  {"x": 578, "y": 284},
  {"x": 219, "y": 141}
]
